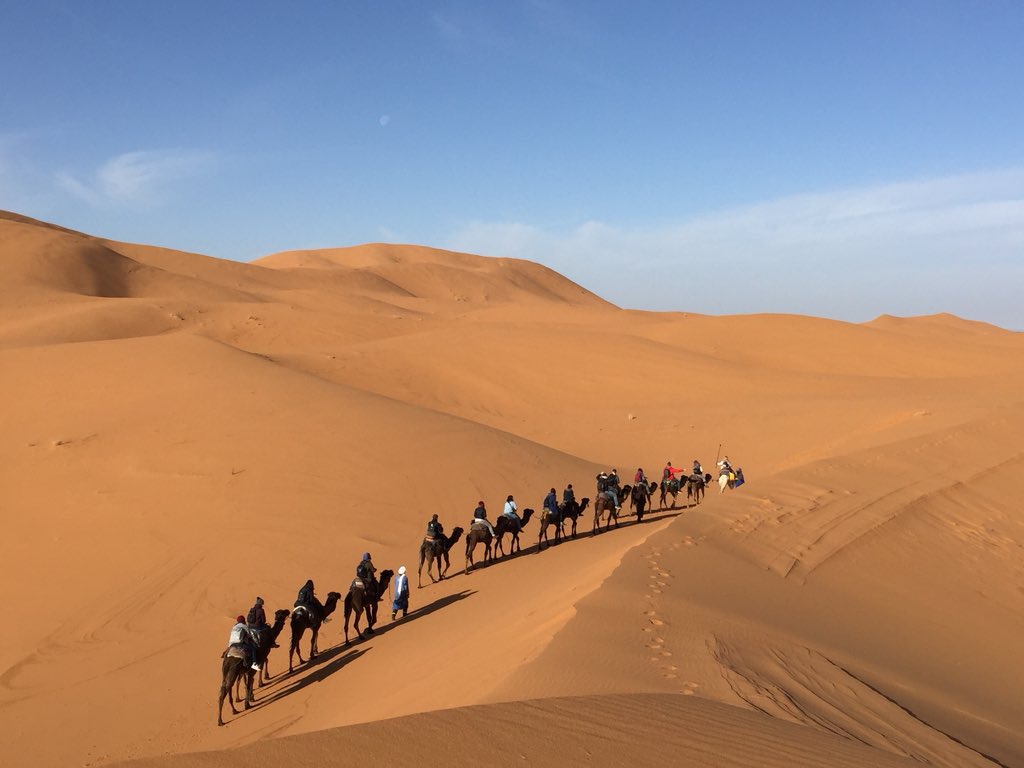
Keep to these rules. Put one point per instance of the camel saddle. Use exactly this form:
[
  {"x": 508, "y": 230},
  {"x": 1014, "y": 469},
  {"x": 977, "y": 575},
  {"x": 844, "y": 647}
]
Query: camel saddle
[
  {"x": 480, "y": 526},
  {"x": 235, "y": 652},
  {"x": 304, "y": 609}
]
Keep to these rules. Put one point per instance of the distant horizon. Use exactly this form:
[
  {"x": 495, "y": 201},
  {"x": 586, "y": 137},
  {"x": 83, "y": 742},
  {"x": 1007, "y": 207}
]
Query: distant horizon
[{"x": 839, "y": 161}]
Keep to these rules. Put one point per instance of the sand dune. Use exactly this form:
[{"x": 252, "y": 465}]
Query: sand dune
[{"x": 183, "y": 433}]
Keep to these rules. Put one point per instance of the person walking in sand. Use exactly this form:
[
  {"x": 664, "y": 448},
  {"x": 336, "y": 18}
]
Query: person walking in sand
[{"x": 401, "y": 599}]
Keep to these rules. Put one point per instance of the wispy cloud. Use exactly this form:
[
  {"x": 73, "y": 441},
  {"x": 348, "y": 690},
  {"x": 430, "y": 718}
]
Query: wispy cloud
[
  {"x": 136, "y": 179},
  {"x": 901, "y": 247}
]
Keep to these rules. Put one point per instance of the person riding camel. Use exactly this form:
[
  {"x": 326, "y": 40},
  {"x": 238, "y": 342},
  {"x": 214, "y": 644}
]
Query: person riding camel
[
  {"x": 639, "y": 477},
  {"x": 698, "y": 470},
  {"x": 243, "y": 641},
  {"x": 613, "y": 480},
  {"x": 551, "y": 506},
  {"x": 724, "y": 467},
  {"x": 366, "y": 577},
  {"x": 435, "y": 530},
  {"x": 256, "y": 621},
  {"x": 480, "y": 518},
  {"x": 668, "y": 474},
  {"x": 307, "y": 599},
  {"x": 510, "y": 512},
  {"x": 568, "y": 495},
  {"x": 608, "y": 486}
]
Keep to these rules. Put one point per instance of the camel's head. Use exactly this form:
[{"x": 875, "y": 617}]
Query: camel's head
[
  {"x": 281, "y": 614},
  {"x": 333, "y": 597},
  {"x": 457, "y": 532},
  {"x": 386, "y": 575},
  {"x": 584, "y": 503}
]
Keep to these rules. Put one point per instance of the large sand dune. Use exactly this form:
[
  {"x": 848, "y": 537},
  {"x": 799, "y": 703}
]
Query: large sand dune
[{"x": 182, "y": 433}]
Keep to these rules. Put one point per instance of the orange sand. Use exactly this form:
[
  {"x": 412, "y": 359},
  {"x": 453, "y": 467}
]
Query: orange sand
[{"x": 182, "y": 433}]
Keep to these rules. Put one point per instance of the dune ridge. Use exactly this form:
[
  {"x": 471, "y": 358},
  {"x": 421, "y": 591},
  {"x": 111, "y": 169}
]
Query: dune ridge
[{"x": 183, "y": 433}]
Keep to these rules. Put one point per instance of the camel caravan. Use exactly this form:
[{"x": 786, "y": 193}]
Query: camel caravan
[{"x": 245, "y": 661}]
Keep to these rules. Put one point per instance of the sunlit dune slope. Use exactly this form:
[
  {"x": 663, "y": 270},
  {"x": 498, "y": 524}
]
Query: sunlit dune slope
[{"x": 182, "y": 433}]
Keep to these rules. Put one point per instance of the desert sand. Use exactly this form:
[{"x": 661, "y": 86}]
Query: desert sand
[{"x": 182, "y": 433}]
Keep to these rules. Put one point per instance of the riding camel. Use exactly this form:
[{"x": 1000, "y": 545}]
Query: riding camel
[
  {"x": 504, "y": 525},
  {"x": 478, "y": 534},
  {"x": 362, "y": 598},
  {"x": 232, "y": 668},
  {"x": 696, "y": 486},
  {"x": 672, "y": 487},
  {"x": 434, "y": 551},
  {"x": 267, "y": 639},
  {"x": 603, "y": 503},
  {"x": 303, "y": 619}
]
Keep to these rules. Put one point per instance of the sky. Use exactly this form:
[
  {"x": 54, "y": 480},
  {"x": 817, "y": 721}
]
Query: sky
[{"x": 836, "y": 159}]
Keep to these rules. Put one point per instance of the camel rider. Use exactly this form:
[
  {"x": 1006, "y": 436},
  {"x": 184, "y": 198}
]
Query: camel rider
[
  {"x": 367, "y": 572},
  {"x": 668, "y": 474},
  {"x": 480, "y": 518},
  {"x": 698, "y": 470},
  {"x": 568, "y": 495},
  {"x": 602, "y": 483},
  {"x": 639, "y": 477},
  {"x": 307, "y": 598},
  {"x": 612, "y": 488},
  {"x": 724, "y": 467},
  {"x": 551, "y": 505},
  {"x": 241, "y": 639},
  {"x": 613, "y": 480},
  {"x": 739, "y": 478},
  {"x": 510, "y": 512},
  {"x": 435, "y": 530},
  {"x": 256, "y": 621}
]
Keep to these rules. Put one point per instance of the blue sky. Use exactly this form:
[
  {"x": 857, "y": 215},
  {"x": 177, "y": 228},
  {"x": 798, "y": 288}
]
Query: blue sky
[{"x": 826, "y": 158}]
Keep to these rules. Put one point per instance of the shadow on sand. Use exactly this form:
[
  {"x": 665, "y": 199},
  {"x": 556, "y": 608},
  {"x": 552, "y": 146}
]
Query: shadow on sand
[{"x": 386, "y": 625}]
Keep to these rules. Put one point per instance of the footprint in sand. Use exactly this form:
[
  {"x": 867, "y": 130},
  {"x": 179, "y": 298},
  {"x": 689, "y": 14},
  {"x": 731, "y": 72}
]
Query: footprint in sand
[{"x": 657, "y": 622}]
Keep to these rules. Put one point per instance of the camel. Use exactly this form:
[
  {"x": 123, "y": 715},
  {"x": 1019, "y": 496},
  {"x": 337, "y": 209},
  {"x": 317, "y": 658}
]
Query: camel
[
  {"x": 360, "y": 599},
  {"x": 547, "y": 517},
  {"x": 267, "y": 640},
  {"x": 302, "y": 620},
  {"x": 505, "y": 525},
  {"x": 573, "y": 511},
  {"x": 669, "y": 487},
  {"x": 696, "y": 486},
  {"x": 232, "y": 668},
  {"x": 478, "y": 534},
  {"x": 433, "y": 551},
  {"x": 604, "y": 503},
  {"x": 730, "y": 480}
]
